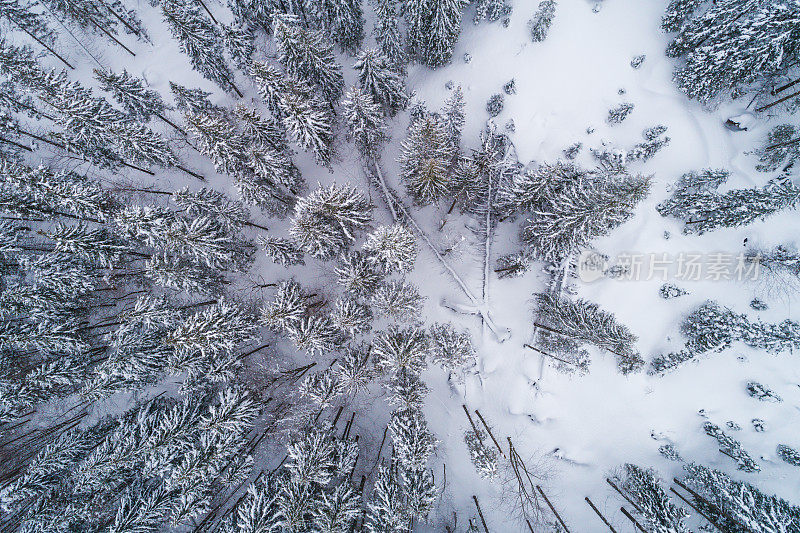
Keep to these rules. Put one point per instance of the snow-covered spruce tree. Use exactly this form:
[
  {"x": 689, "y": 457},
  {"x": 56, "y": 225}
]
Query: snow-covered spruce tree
[
  {"x": 397, "y": 300},
  {"x": 542, "y": 20},
  {"x": 780, "y": 149},
  {"x": 315, "y": 334},
  {"x": 788, "y": 455},
  {"x": 200, "y": 39},
  {"x": 282, "y": 251},
  {"x": 696, "y": 201},
  {"x": 433, "y": 28},
  {"x": 358, "y": 274},
  {"x": 326, "y": 221},
  {"x": 239, "y": 41},
  {"x": 653, "y": 142},
  {"x": 406, "y": 391},
  {"x": 379, "y": 77},
  {"x": 712, "y": 328},
  {"x": 731, "y": 45},
  {"x": 156, "y": 465},
  {"x": 617, "y": 114},
  {"x": 203, "y": 344},
  {"x": 484, "y": 457},
  {"x": 569, "y": 207},
  {"x": 261, "y": 173},
  {"x": 140, "y": 102},
  {"x": 341, "y": 19},
  {"x": 201, "y": 238},
  {"x": 387, "y": 34},
  {"x": 306, "y": 118},
  {"x": 738, "y": 506},
  {"x": 425, "y": 160},
  {"x": 653, "y": 504},
  {"x": 779, "y": 267},
  {"x": 307, "y": 55},
  {"x": 678, "y": 12},
  {"x": 449, "y": 348},
  {"x": 97, "y": 18},
  {"x": 351, "y": 317},
  {"x": 400, "y": 349},
  {"x": 230, "y": 214},
  {"x": 391, "y": 248},
  {"x": 585, "y": 323},
  {"x": 491, "y": 10},
  {"x": 365, "y": 123},
  {"x": 354, "y": 370},
  {"x": 190, "y": 100},
  {"x": 287, "y": 307},
  {"x": 90, "y": 126},
  {"x": 452, "y": 115}
]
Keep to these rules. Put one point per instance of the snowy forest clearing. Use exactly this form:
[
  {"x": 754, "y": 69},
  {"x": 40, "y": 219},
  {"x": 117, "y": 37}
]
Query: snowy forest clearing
[{"x": 394, "y": 219}]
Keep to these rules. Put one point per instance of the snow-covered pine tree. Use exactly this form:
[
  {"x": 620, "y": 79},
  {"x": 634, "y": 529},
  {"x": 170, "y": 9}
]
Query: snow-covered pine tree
[
  {"x": 282, "y": 251},
  {"x": 585, "y": 323},
  {"x": 453, "y": 117},
  {"x": 653, "y": 503},
  {"x": 306, "y": 118},
  {"x": 139, "y": 102},
  {"x": 351, "y": 317},
  {"x": 397, "y": 300},
  {"x": 788, "y": 454},
  {"x": 433, "y": 28},
  {"x": 738, "y": 506},
  {"x": 365, "y": 123},
  {"x": 387, "y": 34},
  {"x": 287, "y": 308},
  {"x": 190, "y": 100},
  {"x": 307, "y": 55},
  {"x": 425, "y": 160},
  {"x": 358, "y": 274},
  {"x": 491, "y": 10},
  {"x": 780, "y": 149},
  {"x": 696, "y": 201},
  {"x": 449, "y": 348},
  {"x": 400, "y": 349},
  {"x": 570, "y": 207},
  {"x": 542, "y": 20},
  {"x": 341, "y": 19},
  {"x": 378, "y": 76},
  {"x": 678, "y": 12},
  {"x": 200, "y": 39},
  {"x": 326, "y": 221},
  {"x": 391, "y": 248}
]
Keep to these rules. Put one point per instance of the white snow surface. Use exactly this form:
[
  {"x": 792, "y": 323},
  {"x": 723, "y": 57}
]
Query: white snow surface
[{"x": 595, "y": 422}]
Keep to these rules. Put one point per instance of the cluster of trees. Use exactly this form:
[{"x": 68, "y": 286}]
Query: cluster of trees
[
  {"x": 713, "y": 328},
  {"x": 696, "y": 201},
  {"x": 731, "y": 46},
  {"x": 724, "y": 503}
]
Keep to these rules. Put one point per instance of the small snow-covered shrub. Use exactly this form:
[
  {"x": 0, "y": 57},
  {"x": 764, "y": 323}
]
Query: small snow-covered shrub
[
  {"x": 619, "y": 113},
  {"x": 495, "y": 105},
  {"x": 542, "y": 20}
]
